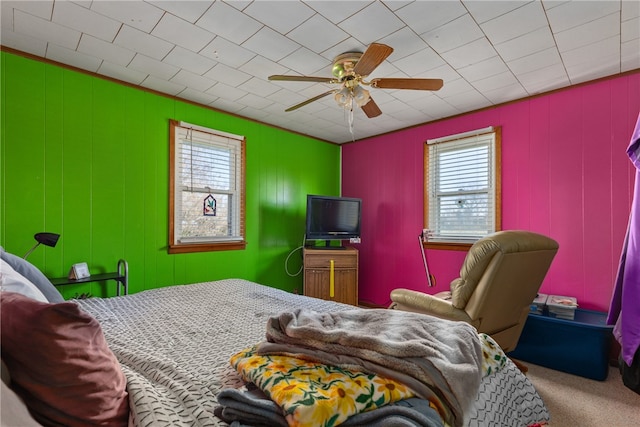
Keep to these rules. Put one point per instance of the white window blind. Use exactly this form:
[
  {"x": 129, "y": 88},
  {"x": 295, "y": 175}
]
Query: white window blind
[
  {"x": 208, "y": 185},
  {"x": 462, "y": 186}
]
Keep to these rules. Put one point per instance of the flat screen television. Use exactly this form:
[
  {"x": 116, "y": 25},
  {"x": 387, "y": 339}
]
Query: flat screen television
[{"x": 332, "y": 218}]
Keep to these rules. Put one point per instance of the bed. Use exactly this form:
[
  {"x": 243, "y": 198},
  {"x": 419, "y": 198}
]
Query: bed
[{"x": 173, "y": 346}]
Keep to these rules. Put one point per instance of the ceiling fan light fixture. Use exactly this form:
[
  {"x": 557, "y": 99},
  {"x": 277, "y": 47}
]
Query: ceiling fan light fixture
[
  {"x": 343, "y": 97},
  {"x": 361, "y": 96},
  {"x": 347, "y": 96}
]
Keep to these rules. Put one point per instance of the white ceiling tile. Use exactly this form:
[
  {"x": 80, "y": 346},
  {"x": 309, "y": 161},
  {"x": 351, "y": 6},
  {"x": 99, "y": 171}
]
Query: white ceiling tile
[
  {"x": 469, "y": 54},
  {"x": 224, "y": 51},
  {"x": 197, "y": 96},
  {"x": 142, "y": 42},
  {"x": 544, "y": 79},
  {"x": 349, "y": 45},
  {"x": 307, "y": 32},
  {"x": 593, "y": 53},
  {"x": 222, "y": 90},
  {"x": 454, "y": 87},
  {"x": 419, "y": 62},
  {"x": 73, "y": 58},
  {"x": 270, "y": 44},
  {"x": 41, "y": 9},
  {"x": 46, "y": 30},
  {"x": 119, "y": 72},
  {"x": 404, "y": 43},
  {"x": 182, "y": 33},
  {"x": 573, "y": 13},
  {"x": 630, "y": 9},
  {"x": 527, "y": 44},
  {"x": 228, "y": 22},
  {"x": 305, "y": 62},
  {"x": 453, "y": 34},
  {"x": 505, "y": 93},
  {"x": 522, "y": 20},
  {"x": 535, "y": 61},
  {"x": 282, "y": 16},
  {"x": 484, "y": 10},
  {"x": 104, "y": 50},
  {"x": 468, "y": 100},
  {"x": 338, "y": 14},
  {"x": 483, "y": 69},
  {"x": 630, "y": 29},
  {"x": 184, "y": 58},
  {"x": 259, "y": 65},
  {"x": 192, "y": 80},
  {"x": 254, "y": 101},
  {"x": 630, "y": 55},
  {"x": 25, "y": 44},
  {"x": 496, "y": 81},
  {"x": 189, "y": 10},
  {"x": 372, "y": 23},
  {"x": 226, "y": 74},
  {"x": 140, "y": 15},
  {"x": 152, "y": 66},
  {"x": 425, "y": 16},
  {"x": 591, "y": 32},
  {"x": 259, "y": 87},
  {"x": 227, "y": 105},
  {"x": 81, "y": 19},
  {"x": 162, "y": 85}
]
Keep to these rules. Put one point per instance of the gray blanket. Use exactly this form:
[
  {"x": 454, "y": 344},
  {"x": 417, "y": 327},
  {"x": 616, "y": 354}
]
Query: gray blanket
[{"x": 442, "y": 355}]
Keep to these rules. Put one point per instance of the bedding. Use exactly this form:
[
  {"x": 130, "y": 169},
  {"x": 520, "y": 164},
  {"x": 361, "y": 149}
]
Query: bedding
[{"x": 175, "y": 344}]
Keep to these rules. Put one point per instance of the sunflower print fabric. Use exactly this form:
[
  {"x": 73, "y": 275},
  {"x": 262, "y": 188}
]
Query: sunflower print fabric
[{"x": 315, "y": 394}]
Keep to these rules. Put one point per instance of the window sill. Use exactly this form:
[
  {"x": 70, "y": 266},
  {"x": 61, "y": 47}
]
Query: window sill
[
  {"x": 207, "y": 247},
  {"x": 447, "y": 246}
]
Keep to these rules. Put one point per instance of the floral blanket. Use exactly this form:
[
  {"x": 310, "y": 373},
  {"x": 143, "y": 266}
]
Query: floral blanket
[{"x": 310, "y": 393}]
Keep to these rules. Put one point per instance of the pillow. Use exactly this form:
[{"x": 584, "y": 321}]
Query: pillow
[
  {"x": 14, "y": 411},
  {"x": 32, "y": 273},
  {"x": 60, "y": 363},
  {"x": 12, "y": 281}
]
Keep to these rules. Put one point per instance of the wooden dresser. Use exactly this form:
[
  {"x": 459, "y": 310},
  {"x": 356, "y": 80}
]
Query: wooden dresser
[{"x": 331, "y": 274}]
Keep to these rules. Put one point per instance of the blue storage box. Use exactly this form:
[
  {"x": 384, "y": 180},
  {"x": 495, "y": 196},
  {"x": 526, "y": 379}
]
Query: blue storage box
[{"x": 580, "y": 346}]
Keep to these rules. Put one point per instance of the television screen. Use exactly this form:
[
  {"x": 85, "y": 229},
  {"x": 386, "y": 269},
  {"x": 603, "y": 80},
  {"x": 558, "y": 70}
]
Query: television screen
[{"x": 332, "y": 218}]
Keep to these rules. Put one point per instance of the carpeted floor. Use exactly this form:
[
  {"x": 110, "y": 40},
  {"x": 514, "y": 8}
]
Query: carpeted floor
[{"x": 576, "y": 401}]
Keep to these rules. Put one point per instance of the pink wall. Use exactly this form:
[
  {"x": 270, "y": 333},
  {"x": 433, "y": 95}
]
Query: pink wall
[{"x": 565, "y": 174}]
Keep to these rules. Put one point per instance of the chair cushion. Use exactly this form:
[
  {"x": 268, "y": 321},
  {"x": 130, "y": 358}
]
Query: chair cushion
[
  {"x": 474, "y": 266},
  {"x": 60, "y": 363}
]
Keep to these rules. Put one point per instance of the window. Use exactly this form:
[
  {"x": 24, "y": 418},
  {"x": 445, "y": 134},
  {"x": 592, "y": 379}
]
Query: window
[
  {"x": 462, "y": 184},
  {"x": 206, "y": 195}
]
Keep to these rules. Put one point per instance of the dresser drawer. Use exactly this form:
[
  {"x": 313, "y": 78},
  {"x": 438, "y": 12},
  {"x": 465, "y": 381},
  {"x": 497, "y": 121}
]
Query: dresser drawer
[{"x": 321, "y": 258}]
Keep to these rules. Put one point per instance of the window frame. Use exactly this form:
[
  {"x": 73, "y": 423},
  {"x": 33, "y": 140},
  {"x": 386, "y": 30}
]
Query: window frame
[
  {"x": 497, "y": 197},
  {"x": 178, "y": 248}
]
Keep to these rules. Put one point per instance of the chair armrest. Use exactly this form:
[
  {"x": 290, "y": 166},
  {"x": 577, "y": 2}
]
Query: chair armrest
[{"x": 408, "y": 300}]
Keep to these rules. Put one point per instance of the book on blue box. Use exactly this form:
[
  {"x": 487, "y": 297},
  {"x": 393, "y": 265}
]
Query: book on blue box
[
  {"x": 562, "y": 307},
  {"x": 537, "y": 306}
]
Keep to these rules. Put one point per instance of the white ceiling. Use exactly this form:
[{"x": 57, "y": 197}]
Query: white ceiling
[{"x": 220, "y": 53}]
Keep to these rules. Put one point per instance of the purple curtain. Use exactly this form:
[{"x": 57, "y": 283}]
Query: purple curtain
[{"x": 624, "y": 311}]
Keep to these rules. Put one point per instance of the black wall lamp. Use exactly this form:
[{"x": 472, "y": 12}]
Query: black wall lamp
[{"x": 47, "y": 239}]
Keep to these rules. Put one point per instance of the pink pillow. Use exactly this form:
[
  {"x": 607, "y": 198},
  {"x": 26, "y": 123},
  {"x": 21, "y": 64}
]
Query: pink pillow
[{"x": 60, "y": 363}]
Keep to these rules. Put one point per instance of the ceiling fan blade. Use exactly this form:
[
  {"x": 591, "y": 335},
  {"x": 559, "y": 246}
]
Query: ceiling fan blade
[
  {"x": 303, "y": 79},
  {"x": 371, "y": 109},
  {"x": 399, "y": 83},
  {"x": 371, "y": 58},
  {"x": 309, "y": 101}
]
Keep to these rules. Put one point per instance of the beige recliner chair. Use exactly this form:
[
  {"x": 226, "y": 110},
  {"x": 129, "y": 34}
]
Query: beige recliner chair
[{"x": 499, "y": 279}]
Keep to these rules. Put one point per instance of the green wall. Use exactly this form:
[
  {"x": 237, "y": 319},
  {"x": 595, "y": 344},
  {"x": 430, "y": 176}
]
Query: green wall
[{"x": 88, "y": 158}]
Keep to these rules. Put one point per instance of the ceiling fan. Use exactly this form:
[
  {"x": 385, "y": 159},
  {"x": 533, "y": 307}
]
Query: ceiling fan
[{"x": 349, "y": 70}]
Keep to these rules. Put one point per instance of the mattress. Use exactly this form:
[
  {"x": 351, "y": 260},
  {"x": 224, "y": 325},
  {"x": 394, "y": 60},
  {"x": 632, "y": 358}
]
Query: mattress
[{"x": 174, "y": 346}]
